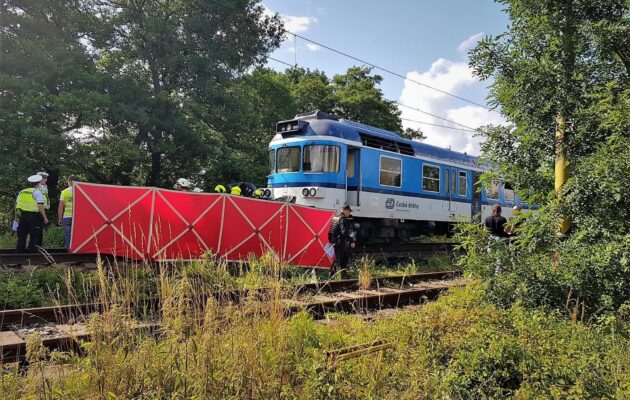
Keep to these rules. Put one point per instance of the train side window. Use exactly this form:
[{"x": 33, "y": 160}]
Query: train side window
[
  {"x": 272, "y": 160},
  {"x": 390, "y": 171},
  {"x": 446, "y": 172},
  {"x": 288, "y": 159},
  {"x": 350, "y": 165},
  {"x": 463, "y": 183},
  {"x": 320, "y": 158},
  {"x": 492, "y": 192},
  {"x": 431, "y": 178},
  {"x": 508, "y": 192}
]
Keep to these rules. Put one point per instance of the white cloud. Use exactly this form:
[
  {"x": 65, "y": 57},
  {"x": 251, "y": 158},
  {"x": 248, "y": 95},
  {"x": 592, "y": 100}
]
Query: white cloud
[
  {"x": 293, "y": 23},
  {"x": 470, "y": 42},
  {"x": 297, "y": 24},
  {"x": 313, "y": 47},
  {"x": 450, "y": 77}
]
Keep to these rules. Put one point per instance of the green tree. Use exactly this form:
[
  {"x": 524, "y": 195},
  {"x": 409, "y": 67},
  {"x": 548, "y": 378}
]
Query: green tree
[
  {"x": 413, "y": 134},
  {"x": 546, "y": 67},
  {"x": 49, "y": 88},
  {"x": 561, "y": 79},
  {"x": 170, "y": 64},
  {"x": 357, "y": 97}
]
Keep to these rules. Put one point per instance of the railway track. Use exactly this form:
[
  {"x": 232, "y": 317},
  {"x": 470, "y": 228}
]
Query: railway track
[
  {"x": 54, "y": 256},
  {"x": 64, "y": 327}
]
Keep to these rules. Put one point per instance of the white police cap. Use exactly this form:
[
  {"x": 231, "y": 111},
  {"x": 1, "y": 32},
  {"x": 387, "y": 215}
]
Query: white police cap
[{"x": 35, "y": 178}]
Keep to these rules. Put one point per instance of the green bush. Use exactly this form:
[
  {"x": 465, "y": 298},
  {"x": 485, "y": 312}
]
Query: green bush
[{"x": 584, "y": 274}]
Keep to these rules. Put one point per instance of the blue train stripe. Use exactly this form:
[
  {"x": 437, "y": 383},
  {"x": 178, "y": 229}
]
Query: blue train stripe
[{"x": 385, "y": 191}]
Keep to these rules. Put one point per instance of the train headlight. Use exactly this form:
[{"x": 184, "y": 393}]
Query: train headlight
[
  {"x": 312, "y": 192},
  {"x": 305, "y": 192}
]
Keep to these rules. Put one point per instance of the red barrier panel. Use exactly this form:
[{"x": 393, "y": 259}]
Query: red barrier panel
[{"x": 158, "y": 224}]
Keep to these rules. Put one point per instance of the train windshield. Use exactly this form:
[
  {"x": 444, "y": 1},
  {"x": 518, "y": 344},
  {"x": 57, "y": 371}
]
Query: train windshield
[
  {"x": 288, "y": 159},
  {"x": 272, "y": 161},
  {"x": 319, "y": 158}
]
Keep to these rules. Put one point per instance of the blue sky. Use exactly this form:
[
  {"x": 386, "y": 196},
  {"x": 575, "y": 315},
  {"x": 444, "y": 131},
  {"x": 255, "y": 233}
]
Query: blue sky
[{"x": 425, "y": 40}]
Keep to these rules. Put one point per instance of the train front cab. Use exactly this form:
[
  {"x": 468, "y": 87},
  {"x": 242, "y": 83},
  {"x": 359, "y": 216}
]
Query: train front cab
[{"x": 309, "y": 172}]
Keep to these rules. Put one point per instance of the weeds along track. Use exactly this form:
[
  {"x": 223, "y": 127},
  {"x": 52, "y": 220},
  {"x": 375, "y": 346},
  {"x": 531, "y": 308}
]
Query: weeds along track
[
  {"x": 55, "y": 256},
  {"x": 64, "y": 327}
]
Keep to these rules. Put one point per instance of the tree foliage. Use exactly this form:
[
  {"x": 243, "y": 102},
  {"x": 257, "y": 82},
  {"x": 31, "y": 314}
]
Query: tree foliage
[
  {"x": 141, "y": 93},
  {"x": 560, "y": 60}
]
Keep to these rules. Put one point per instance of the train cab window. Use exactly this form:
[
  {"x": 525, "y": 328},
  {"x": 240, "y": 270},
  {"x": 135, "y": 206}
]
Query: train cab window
[
  {"x": 463, "y": 183},
  {"x": 431, "y": 178},
  {"x": 390, "y": 171},
  {"x": 272, "y": 160},
  {"x": 492, "y": 192},
  {"x": 288, "y": 159},
  {"x": 320, "y": 158},
  {"x": 508, "y": 192}
]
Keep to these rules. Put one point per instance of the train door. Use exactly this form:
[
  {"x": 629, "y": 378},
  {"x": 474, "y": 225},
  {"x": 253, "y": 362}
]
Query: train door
[
  {"x": 475, "y": 209},
  {"x": 353, "y": 179},
  {"x": 450, "y": 176},
  {"x": 453, "y": 191}
]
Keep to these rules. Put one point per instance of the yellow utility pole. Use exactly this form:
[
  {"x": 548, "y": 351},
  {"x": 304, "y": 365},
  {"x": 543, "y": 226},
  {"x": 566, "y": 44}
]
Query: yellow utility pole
[{"x": 561, "y": 168}]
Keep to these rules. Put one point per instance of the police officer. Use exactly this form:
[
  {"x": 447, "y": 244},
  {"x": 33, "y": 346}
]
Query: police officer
[
  {"x": 30, "y": 214},
  {"x": 65, "y": 210},
  {"x": 236, "y": 190},
  {"x": 43, "y": 187},
  {"x": 342, "y": 236},
  {"x": 258, "y": 194},
  {"x": 219, "y": 188}
]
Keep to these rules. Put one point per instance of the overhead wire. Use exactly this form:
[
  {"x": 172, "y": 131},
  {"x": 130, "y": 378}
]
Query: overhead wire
[
  {"x": 467, "y": 128},
  {"x": 391, "y": 72}
]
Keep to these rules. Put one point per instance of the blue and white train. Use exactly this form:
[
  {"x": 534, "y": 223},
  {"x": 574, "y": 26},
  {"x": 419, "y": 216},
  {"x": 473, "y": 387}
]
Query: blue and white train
[{"x": 396, "y": 187}]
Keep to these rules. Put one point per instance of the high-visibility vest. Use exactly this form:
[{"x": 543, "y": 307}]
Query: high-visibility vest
[
  {"x": 219, "y": 189},
  {"x": 68, "y": 202},
  {"x": 44, "y": 191},
  {"x": 236, "y": 191},
  {"x": 26, "y": 201}
]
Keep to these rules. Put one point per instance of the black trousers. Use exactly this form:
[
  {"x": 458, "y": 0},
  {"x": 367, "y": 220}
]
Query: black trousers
[
  {"x": 342, "y": 257},
  {"x": 31, "y": 225}
]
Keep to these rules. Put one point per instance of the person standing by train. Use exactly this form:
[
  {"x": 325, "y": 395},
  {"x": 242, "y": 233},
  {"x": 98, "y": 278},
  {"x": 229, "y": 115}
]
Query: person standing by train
[
  {"x": 31, "y": 215},
  {"x": 43, "y": 187},
  {"x": 495, "y": 223},
  {"x": 65, "y": 210},
  {"x": 342, "y": 236}
]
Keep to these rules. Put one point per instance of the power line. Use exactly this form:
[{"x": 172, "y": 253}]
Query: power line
[
  {"x": 438, "y": 125},
  {"x": 433, "y": 115},
  {"x": 392, "y": 72},
  {"x": 467, "y": 128}
]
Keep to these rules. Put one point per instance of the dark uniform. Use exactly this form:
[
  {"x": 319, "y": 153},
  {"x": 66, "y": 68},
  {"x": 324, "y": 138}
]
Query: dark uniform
[{"x": 342, "y": 235}]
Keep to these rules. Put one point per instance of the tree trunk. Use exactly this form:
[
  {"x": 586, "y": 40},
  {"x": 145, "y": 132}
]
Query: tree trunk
[{"x": 156, "y": 169}]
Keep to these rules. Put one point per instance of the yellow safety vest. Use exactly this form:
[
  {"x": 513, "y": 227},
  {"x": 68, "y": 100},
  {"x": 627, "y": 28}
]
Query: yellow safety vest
[
  {"x": 68, "y": 200},
  {"x": 26, "y": 201}
]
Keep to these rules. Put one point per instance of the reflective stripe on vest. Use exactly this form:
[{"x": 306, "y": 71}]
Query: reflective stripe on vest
[
  {"x": 68, "y": 202},
  {"x": 26, "y": 201}
]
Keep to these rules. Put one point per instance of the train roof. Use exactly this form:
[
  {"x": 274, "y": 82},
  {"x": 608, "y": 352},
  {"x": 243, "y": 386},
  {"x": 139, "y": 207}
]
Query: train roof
[{"x": 315, "y": 125}]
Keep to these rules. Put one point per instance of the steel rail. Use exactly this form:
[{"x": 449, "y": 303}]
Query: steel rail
[
  {"x": 46, "y": 257},
  {"x": 382, "y": 294}
]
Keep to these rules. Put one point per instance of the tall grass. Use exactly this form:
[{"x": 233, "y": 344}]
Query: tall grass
[{"x": 205, "y": 348}]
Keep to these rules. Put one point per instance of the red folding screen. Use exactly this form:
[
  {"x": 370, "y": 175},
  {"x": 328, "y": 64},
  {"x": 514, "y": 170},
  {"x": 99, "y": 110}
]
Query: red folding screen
[{"x": 158, "y": 224}]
